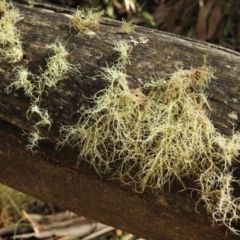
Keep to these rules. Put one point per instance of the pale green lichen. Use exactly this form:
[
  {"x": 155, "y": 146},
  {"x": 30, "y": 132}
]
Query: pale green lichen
[
  {"x": 10, "y": 43},
  {"x": 127, "y": 27},
  {"x": 43, "y": 115},
  {"x": 34, "y": 87},
  {"x": 124, "y": 49},
  {"x": 22, "y": 79},
  {"x": 153, "y": 135},
  {"x": 58, "y": 66},
  {"x": 33, "y": 138},
  {"x": 82, "y": 21}
]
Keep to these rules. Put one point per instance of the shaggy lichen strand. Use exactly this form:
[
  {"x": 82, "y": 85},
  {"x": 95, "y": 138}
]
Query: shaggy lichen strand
[
  {"x": 10, "y": 43},
  {"x": 124, "y": 49},
  {"x": 34, "y": 87},
  {"x": 21, "y": 80},
  {"x": 148, "y": 137},
  {"x": 82, "y": 21},
  {"x": 58, "y": 66},
  {"x": 134, "y": 127},
  {"x": 127, "y": 27},
  {"x": 217, "y": 193},
  {"x": 170, "y": 139},
  {"x": 102, "y": 122}
]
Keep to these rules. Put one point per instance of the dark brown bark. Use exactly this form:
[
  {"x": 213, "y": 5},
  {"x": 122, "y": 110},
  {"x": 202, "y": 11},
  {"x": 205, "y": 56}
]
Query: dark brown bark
[{"x": 52, "y": 175}]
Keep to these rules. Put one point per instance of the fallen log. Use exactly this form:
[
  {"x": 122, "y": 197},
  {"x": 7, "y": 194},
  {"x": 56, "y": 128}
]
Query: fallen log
[{"x": 52, "y": 175}]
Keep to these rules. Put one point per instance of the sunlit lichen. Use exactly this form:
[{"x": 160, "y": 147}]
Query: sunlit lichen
[
  {"x": 127, "y": 27},
  {"x": 82, "y": 21}
]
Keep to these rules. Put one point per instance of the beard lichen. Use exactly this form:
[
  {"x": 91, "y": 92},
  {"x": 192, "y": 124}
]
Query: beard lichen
[
  {"x": 161, "y": 132},
  {"x": 127, "y": 27},
  {"x": 82, "y": 21},
  {"x": 10, "y": 43},
  {"x": 34, "y": 86}
]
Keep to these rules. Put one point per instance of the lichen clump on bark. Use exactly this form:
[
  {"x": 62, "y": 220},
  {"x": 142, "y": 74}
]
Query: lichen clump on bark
[
  {"x": 34, "y": 87},
  {"x": 10, "y": 39},
  {"x": 161, "y": 132}
]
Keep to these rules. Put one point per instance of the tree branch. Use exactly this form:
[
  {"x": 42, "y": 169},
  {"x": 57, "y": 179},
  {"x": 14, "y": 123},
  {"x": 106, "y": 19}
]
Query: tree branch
[{"x": 53, "y": 175}]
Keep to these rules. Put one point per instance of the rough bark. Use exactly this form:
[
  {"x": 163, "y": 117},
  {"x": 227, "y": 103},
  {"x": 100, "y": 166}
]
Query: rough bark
[{"x": 53, "y": 176}]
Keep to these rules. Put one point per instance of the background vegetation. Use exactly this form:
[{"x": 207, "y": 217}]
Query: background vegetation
[{"x": 215, "y": 21}]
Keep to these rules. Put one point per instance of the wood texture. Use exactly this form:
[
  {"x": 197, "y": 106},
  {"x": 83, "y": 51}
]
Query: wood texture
[{"x": 53, "y": 176}]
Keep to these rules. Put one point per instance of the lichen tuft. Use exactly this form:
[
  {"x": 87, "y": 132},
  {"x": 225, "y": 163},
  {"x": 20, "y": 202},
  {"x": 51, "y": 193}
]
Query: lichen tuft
[{"x": 161, "y": 132}]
